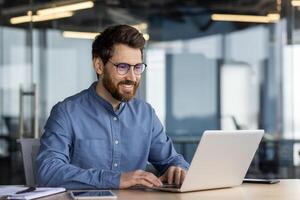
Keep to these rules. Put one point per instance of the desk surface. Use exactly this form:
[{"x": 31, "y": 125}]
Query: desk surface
[{"x": 286, "y": 189}]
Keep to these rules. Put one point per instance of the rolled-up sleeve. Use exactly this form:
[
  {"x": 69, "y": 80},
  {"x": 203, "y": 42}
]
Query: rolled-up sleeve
[
  {"x": 162, "y": 152},
  {"x": 53, "y": 160}
]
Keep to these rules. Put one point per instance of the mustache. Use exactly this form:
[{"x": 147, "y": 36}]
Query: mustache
[{"x": 127, "y": 82}]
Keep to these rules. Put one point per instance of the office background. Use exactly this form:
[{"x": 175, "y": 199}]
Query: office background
[{"x": 203, "y": 72}]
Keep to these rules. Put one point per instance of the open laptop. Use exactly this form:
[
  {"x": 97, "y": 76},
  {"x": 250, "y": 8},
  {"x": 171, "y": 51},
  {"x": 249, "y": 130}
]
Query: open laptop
[{"x": 221, "y": 160}]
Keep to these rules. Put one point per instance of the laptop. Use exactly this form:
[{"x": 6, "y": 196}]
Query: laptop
[{"x": 221, "y": 160}]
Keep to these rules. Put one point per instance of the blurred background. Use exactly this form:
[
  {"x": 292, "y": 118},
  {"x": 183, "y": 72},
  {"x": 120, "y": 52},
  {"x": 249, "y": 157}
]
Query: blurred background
[{"x": 212, "y": 64}]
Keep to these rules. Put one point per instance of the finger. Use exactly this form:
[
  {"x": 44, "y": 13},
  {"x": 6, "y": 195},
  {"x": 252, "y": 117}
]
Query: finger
[
  {"x": 170, "y": 174},
  {"x": 152, "y": 179},
  {"x": 162, "y": 178},
  {"x": 182, "y": 177},
  {"x": 177, "y": 175},
  {"x": 144, "y": 182}
]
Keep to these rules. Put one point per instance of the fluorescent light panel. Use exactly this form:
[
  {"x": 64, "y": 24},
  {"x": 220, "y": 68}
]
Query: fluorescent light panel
[
  {"x": 80, "y": 35},
  {"x": 66, "y": 8},
  {"x": 88, "y": 35},
  {"x": 273, "y": 17},
  {"x": 52, "y": 13},
  {"x": 295, "y": 3},
  {"x": 270, "y": 18},
  {"x": 38, "y": 18},
  {"x": 142, "y": 27},
  {"x": 146, "y": 36}
]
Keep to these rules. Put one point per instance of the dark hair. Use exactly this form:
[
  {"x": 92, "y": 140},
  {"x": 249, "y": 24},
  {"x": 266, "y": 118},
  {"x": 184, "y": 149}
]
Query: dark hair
[{"x": 120, "y": 34}]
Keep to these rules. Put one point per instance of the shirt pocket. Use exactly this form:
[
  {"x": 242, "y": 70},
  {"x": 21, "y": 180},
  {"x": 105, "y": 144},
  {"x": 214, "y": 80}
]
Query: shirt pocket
[{"x": 91, "y": 153}]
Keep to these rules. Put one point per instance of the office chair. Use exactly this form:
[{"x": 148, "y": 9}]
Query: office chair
[{"x": 30, "y": 148}]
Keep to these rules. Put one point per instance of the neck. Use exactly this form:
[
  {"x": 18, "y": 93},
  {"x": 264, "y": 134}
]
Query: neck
[{"x": 101, "y": 91}]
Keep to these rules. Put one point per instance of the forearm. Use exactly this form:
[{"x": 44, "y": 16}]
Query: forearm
[
  {"x": 56, "y": 173},
  {"x": 162, "y": 152}
]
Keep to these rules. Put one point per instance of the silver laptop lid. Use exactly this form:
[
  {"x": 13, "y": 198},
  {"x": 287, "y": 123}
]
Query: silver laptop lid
[{"x": 222, "y": 159}]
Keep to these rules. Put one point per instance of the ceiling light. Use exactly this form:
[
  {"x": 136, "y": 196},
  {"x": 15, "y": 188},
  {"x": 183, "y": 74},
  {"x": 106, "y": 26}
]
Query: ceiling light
[
  {"x": 38, "y": 18},
  {"x": 146, "y": 36},
  {"x": 142, "y": 27},
  {"x": 295, "y": 3},
  {"x": 80, "y": 35},
  {"x": 21, "y": 19},
  {"x": 66, "y": 8},
  {"x": 270, "y": 18},
  {"x": 89, "y": 35},
  {"x": 273, "y": 17}
]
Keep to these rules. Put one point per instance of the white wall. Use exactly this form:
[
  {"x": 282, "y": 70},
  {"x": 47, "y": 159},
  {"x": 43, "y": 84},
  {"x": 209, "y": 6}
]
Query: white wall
[
  {"x": 155, "y": 81},
  {"x": 291, "y": 96}
]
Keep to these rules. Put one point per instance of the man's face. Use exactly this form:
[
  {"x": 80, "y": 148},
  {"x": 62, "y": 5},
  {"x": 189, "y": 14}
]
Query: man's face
[{"x": 122, "y": 87}]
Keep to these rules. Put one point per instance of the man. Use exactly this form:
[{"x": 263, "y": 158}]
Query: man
[{"x": 103, "y": 137}]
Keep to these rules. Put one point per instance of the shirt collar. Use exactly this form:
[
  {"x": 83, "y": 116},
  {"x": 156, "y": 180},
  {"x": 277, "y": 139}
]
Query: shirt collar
[{"x": 103, "y": 102}]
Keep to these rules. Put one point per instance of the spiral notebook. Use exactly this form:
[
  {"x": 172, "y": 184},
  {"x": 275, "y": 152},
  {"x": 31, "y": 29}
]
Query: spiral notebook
[{"x": 10, "y": 192}]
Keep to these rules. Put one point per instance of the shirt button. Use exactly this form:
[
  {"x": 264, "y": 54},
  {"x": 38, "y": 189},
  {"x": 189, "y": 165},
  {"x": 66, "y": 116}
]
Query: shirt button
[
  {"x": 115, "y": 118},
  {"x": 115, "y": 165},
  {"x": 116, "y": 142}
]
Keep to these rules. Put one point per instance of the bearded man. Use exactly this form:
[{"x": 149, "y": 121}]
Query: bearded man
[{"x": 103, "y": 137}]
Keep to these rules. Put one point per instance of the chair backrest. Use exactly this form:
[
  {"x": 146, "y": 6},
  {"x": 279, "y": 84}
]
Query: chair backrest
[{"x": 30, "y": 148}]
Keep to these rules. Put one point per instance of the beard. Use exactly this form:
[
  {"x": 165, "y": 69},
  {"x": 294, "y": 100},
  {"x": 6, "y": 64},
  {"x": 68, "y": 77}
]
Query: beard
[{"x": 114, "y": 90}]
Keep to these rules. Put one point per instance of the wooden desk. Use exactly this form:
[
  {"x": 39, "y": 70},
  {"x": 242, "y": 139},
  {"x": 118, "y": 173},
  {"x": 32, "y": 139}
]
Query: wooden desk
[{"x": 285, "y": 190}]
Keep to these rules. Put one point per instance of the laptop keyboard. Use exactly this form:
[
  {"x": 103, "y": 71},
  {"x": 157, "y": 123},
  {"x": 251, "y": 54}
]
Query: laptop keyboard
[{"x": 166, "y": 185}]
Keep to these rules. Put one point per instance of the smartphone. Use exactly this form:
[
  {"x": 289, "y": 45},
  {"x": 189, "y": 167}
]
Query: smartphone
[
  {"x": 93, "y": 194},
  {"x": 263, "y": 181}
]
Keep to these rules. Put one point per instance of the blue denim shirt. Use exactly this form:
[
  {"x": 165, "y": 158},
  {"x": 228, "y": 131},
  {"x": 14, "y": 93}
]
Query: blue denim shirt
[{"x": 87, "y": 145}]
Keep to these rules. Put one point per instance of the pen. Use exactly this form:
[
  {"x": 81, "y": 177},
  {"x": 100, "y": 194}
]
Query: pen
[{"x": 30, "y": 189}]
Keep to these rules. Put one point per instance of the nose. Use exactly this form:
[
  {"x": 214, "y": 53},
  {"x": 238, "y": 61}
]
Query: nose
[{"x": 131, "y": 75}]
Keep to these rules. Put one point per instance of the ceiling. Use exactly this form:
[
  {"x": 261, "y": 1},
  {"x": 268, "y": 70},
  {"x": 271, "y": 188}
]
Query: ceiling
[{"x": 159, "y": 14}]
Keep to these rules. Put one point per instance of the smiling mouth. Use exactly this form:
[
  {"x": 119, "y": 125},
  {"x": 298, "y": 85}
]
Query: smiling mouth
[{"x": 127, "y": 87}]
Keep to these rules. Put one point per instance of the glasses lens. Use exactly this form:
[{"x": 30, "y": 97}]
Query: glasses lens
[
  {"x": 123, "y": 68},
  {"x": 139, "y": 68}
]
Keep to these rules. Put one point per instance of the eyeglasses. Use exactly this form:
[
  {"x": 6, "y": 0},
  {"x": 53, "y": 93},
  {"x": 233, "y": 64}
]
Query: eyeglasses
[{"x": 123, "y": 68}]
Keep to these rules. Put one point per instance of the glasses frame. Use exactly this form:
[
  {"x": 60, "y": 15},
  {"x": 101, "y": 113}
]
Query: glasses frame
[{"x": 134, "y": 66}]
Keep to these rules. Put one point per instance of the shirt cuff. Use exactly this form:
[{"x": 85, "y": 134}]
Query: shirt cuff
[
  {"x": 184, "y": 166},
  {"x": 110, "y": 179}
]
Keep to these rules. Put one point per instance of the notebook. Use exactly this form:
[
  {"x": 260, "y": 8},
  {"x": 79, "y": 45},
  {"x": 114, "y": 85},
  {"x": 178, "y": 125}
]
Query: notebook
[{"x": 10, "y": 192}]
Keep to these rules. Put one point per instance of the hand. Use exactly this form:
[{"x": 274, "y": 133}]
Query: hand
[
  {"x": 173, "y": 175},
  {"x": 139, "y": 177}
]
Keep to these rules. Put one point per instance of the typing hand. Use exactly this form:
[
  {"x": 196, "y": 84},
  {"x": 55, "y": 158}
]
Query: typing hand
[
  {"x": 139, "y": 177},
  {"x": 174, "y": 175}
]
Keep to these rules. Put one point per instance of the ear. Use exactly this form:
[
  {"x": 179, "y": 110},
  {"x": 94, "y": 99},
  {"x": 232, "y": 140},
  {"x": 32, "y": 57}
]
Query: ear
[{"x": 98, "y": 65}]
